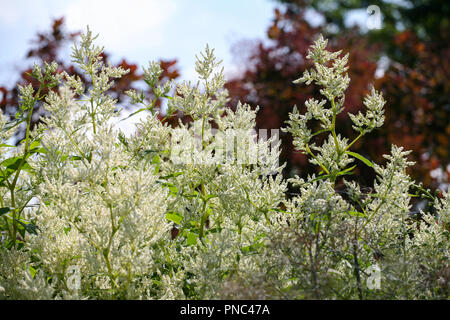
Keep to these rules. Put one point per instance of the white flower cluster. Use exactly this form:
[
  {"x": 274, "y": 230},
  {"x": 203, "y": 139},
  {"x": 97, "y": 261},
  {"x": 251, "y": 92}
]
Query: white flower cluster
[
  {"x": 374, "y": 118},
  {"x": 200, "y": 210},
  {"x": 117, "y": 217},
  {"x": 332, "y": 78},
  {"x": 330, "y": 73},
  {"x": 337, "y": 235}
]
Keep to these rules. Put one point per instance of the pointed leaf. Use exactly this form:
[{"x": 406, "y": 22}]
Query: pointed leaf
[
  {"x": 360, "y": 157},
  {"x": 4, "y": 210}
]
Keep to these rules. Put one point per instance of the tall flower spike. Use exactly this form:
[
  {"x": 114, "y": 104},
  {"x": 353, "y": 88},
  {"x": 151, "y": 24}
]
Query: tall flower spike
[
  {"x": 374, "y": 117},
  {"x": 332, "y": 78}
]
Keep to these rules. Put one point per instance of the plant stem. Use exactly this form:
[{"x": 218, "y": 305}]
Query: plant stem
[
  {"x": 356, "y": 262},
  {"x": 333, "y": 128},
  {"x": 12, "y": 186},
  {"x": 356, "y": 139},
  {"x": 106, "y": 252},
  {"x": 312, "y": 155}
]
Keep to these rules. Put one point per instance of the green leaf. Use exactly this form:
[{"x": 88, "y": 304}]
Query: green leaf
[
  {"x": 149, "y": 151},
  {"x": 357, "y": 214},
  {"x": 136, "y": 112},
  {"x": 360, "y": 157},
  {"x": 172, "y": 175},
  {"x": 11, "y": 163},
  {"x": 32, "y": 271},
  {"x": 14, "y": 162},
  {"x": 213, "y": 230},
  {"x": 156, "y": 160},
  {"x": 191, "y": 238},
  {"x": 346, "y": 171},
  {"x": 4, "y": 210},
  {"x": 123, "y": 140},
  {"x": 27, "y": 167},
  {"x": 89, "y": 157},
  {"x": 38, "y": 150},
  {"x": 174, "y": 217},
  {"x": 192, "y": 195},
  {"x": 252, "y": 248},
  {"x": 19, "y": 119},
  {"x": 172, "y": 188},
  {"x": 67, "y": 229},
  {"x": 29, "y": 227},
  {"x": 210, "y": 196},
  {"x": 35, "y": 147},
  {"x": 35, "y": 144}
]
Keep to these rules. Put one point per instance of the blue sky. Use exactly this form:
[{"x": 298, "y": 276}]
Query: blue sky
[{"x": 139, "y": 30}]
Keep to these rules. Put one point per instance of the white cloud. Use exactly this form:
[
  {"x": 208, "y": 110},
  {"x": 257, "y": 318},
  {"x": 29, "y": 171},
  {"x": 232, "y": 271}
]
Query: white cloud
[{"x": 123, "y": 25}]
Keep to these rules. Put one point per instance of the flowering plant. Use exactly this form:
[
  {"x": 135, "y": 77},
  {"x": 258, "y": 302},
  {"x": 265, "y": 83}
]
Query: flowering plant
[{"x": 200, "y": 210}]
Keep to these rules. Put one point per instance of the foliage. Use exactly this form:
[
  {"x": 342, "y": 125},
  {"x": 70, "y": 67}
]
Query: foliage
[
  {"x": 429, "y": 19},
  {"x": 419, "y": 113},
  {"x": 173, "y": 212}
]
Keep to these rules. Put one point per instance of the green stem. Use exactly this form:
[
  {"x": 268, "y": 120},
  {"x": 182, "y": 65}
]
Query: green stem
[
  {"x": 356, "y": 139},
  {"x": 6, "y": 219},
  {"x": 356, "y": 266},
  {"x": 204, "y": 212},
  {"x": 315, "y": 158},
  {"x": 380, "y": 204},
  {"x": 333, "y": 128},
  {"x": 12, "y": 186},
  {"x": 203, "y": 131},
  {"x": 91, "y": 74},
  {"x": 203, "y": 220},
  {"x": 106, "y": 253}
]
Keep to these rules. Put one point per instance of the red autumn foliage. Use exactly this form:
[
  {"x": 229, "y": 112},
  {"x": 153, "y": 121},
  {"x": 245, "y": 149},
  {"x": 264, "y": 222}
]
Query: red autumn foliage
[{"x": 418, "y": 111}]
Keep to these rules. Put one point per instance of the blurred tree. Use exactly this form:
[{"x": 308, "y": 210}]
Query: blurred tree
[
  {"x": 415, "y": 82},
  {"x": 428, "y": 19},
  {"x": 418, "y": 108},
  {"x": 47, "y": 47}
]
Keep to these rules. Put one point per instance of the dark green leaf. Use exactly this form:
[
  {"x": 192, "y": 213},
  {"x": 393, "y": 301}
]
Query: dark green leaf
[
  {"x": 4, "y": 210},
  {"x": 31, "y": 228}
]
